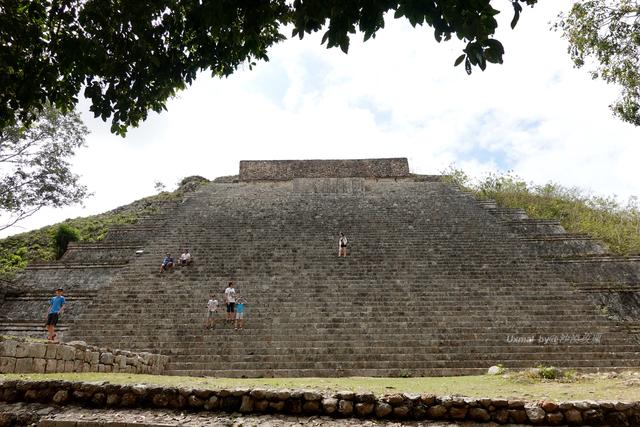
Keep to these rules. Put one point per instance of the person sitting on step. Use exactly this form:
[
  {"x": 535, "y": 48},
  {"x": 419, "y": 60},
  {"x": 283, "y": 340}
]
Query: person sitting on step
[
  {"x": 167, "y": 263},
  {"x": 342, "y": 245},
  {"x": 185, "y": 258}
]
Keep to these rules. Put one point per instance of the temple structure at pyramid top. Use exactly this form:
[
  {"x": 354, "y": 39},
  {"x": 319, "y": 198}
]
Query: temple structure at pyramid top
[{"x": 284, "y": 170}]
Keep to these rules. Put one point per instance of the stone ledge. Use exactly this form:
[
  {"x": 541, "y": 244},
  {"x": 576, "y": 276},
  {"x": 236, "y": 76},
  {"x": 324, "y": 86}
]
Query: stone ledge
[
  {"x": 19, "y": 355},
  {"x": 313, "y": 403},
  {"x": 284, "y": 170}
]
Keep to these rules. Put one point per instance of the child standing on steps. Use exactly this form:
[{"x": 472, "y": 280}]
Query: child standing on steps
[
  {"x": 212, "y": 312},
  {"x": 240, "y": 313},
  {"x": 230, "y": 300}
]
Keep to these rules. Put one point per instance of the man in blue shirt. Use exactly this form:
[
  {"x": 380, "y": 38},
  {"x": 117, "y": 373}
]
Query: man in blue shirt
[
  {"x": 167, "y": 263},
  {"x": 56, "y": 307}
]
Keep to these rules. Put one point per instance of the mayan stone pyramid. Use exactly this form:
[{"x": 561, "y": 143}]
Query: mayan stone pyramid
[{"x": 436, "y": 282}]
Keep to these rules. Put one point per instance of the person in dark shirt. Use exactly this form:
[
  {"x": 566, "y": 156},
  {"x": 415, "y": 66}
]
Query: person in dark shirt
[
  {"x": 167, "y": 263},
  {"x": 342, "y": 245}
]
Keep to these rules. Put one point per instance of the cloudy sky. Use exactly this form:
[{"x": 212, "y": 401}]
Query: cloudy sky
[{"x": 395, "y": 96}]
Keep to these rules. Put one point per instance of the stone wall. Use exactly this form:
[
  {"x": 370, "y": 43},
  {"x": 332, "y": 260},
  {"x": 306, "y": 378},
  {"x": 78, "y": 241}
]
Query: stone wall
[
  {"x": 25, "y": 356},
  {"x": 284, "y": 170},
  {"x": 309, "y": 402}
]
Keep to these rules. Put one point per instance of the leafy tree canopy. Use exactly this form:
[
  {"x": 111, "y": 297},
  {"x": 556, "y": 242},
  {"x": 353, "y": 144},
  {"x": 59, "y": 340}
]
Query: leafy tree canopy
[
  {"x": 129, "y": 57},
  {"x": 605, "y": 35},
  {"x": 34, "y": 167}
]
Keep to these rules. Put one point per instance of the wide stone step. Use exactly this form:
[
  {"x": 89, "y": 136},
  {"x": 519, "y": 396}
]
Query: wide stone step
[
  {"x": 389, "y": 353},
  {"x": 418, "y": 366}
]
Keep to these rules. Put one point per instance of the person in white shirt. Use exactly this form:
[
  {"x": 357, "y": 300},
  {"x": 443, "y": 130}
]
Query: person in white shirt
[
  {"x": 342, "y": 245},
  {"x": 212, "y": 312},
  {"x": 230, "y": 300},
  {"x": 185, "y": 258}
]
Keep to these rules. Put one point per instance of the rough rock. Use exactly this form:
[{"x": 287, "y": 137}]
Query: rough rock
[
  {"x": 330, "y": 405},
  {"x": 383, "y": 409},
  {"x": 536, "y": 414},
  {"x": 345, "y": 407}
]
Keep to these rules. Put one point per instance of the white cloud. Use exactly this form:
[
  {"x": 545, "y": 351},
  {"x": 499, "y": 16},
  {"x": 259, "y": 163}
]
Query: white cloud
[{"x": 396, "y": 95}]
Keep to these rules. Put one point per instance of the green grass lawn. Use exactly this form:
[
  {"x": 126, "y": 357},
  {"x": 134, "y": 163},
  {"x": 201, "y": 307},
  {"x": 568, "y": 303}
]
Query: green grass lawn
[{"x": 625, "y": 386}]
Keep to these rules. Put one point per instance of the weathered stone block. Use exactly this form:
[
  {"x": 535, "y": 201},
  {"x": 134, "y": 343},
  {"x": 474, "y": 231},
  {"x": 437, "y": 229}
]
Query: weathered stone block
[
  {"x": 345, "y": 407},
  {"x": 518, "y": 416},
  {"x": 79, "y": 354},
  {"x": 329, "y": 405},
  {"x": 312, "y": 395},
  {"x": 8, "y": 348},
  {"x": 252, "y": 170},
  {"x": 60, "y": 397},
  {"x": 7, "y": 365},
  {"x": 194, "y": 401},
  {"x": 68, "y": 352},
  {"x": 39, "y": 365},
  {"x": 501, "y": 416},
  {"x": 364, "y": 409},
  {"x": 261, "y": 405},
  {"x": 22, "y": 349},
  {"x": 536, "y": 414},
  {"x": 555, "y": 418},
  {"x": 437, "y": 411},
  {"x": 120, "y": 360},
  {"x": 24, "y": 365},
  {"x": 277, "y": 406},
  {"x": 68, "y": 365},
  {"x": 99, "y": 399},
  {"x": 383, "y": 409},
  {"x": 427, "y": 399},
  {"x": 311, "y": 407},
  {"x": 113, "y": 399},
  {"x": 52, "y": 351},
  {"x": 401, "y": 411},
  {"x": 479, "y": 414},
  {"x": 573, "y": 416},
  {"x": 52, "y": 365},
  {"x": 549, "y": 406},
  {"x": 458, "y": 412},
  {"x": 593, "y": 417},
  {"x": 394, "y": 399},
  {"x": 37, "y": 350},
  {"x": 106, "y": 358},
  {"x": 94, "y": 358},
  {"x": 282, "y": 394},
  {"x": 128, "y": 400}
]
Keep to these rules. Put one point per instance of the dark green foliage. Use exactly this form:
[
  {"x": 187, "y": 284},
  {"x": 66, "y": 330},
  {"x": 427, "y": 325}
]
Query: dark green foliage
[
  {"x": 39, "y": 245},
  {"x": 131, "y": 56},
  {"x": 603, "y": 218},
  {"x": 605, "y": 35},
  {"x": 64, "y": 235}
]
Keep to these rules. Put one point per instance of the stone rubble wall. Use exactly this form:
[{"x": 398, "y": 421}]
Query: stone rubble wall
[
  {"x": 23, "y": 356},
  {"x": 309, "y": 402},
  {"x": 284, "y": 170}
]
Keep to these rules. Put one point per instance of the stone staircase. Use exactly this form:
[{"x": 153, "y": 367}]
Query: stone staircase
[{"x": 436, "y": 283}]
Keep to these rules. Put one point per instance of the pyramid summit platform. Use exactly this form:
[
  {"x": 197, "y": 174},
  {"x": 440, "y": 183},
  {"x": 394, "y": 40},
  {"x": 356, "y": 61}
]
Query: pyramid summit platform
[{"x": 436, "y": 282}]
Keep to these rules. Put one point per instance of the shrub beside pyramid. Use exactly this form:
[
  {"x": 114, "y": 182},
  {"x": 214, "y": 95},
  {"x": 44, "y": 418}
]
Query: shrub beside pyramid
[{"x": 436, "y": 282}]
